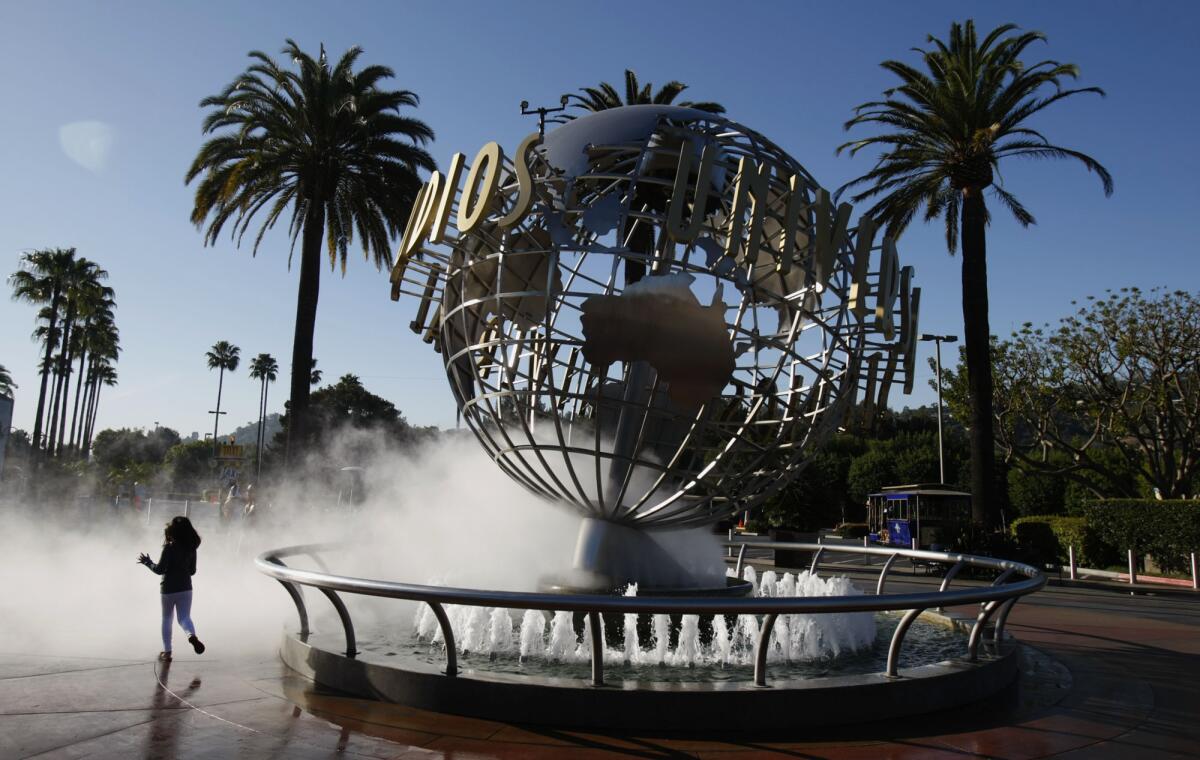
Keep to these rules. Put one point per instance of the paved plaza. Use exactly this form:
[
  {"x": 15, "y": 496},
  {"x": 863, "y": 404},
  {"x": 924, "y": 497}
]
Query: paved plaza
[{"x": 1108, "y": 675}]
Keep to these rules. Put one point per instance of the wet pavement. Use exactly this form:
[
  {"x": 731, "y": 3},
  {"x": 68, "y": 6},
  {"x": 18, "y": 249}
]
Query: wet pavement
[{"x": 1109, "y": 675}]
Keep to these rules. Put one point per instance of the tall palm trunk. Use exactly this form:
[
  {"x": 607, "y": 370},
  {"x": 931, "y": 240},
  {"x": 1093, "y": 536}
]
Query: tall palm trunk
[
  {"x": 258, "y": 444},
  {"x": 55, "y": 392},
  {"x": 217, "y": 415},
  {"x": 979, "y": 357},
  {"x": 95, "y": 410},
  {"x": 64, "y": 377},
  {"x": 55, "y": 298},
  {"x": 85, "y": 412},
  {"x": 306, "y": 320},
  {"x": 74, "y": 442},
  {"x": 93, "y": 403}
]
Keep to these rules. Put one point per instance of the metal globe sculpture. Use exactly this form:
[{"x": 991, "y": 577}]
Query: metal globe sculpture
[{"x": 653, "y": 314}]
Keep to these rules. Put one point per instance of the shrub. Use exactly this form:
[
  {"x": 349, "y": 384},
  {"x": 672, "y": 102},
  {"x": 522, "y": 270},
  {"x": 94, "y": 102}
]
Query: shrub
[
  {"x": 1045, "y": 538},
  {"x": 1166, "y": 530},
  {"x": 852, "y": 530}
]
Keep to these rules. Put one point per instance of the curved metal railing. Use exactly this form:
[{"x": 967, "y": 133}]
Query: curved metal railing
[{"x": 1000, "y": 595}]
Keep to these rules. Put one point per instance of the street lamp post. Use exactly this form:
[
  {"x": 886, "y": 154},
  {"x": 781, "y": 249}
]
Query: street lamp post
[
  {"x": 938, "y": 340},
  {"x": 541, "y": 113}
]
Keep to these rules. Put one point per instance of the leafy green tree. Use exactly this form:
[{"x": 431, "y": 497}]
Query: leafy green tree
[
  {"x": 190, "y": 465},
  {"x": 1109, "y": 399},
  {"x": 223, "y": 356},
  {"x": 115, "y": 450},
  {"x": 947, "y": 130},
  {"x": 348, "y": 406},
  {"x": 326, "y": 141},
  {"x": 870, "y": 472},
  {"x": 605, "y": 96},
  {"x": 1036, "y": 493}
]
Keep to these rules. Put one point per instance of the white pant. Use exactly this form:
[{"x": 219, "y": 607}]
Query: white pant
[{"x": 181, "y": 603}]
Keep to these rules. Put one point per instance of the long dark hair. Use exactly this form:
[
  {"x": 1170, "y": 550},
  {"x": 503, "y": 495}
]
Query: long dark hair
[{"x": 180, "y": 531}]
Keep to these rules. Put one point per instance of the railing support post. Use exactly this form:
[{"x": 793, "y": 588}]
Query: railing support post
[
  {"x": 737, "y": 570},
  {"x": 1071, "y": 557},
  {"x": 1002, "y": 618},
  {"x": 1195, "y": 575},
  {"x": 344, "y": 614},
  {"x": 597, "y": 635},
  {"x": 761, "y": 647},
  {"x": 977, "y": 630},
  {"x": 893, "y": 661},
  {"x": 866, "y": 558},
  {"x": 187, "y": 508},
  {"x": 1132, "y": 567},
  {"x": 883, "y": 574},
  {"x": 953, "y": 571},
  {"x": 297, "y": 598},
  {"x": 447, "y": 638}
]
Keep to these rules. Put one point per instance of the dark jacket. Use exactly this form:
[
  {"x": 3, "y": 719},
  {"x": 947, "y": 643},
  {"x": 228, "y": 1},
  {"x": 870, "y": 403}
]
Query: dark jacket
[{"x": 176, "y": 565}]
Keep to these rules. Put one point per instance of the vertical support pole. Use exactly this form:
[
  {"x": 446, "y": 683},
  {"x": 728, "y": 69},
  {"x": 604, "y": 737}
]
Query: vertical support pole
[
  {"x": 914, "y": 543},
  {"x": 1132, "y": 568},
  {"x": 447, "y": 636},
  {"x": 187, "y": 508},
  {"x": 737, "y": 570},
  {"x": 883, "y": 574},
  {"x": 762, "y": 647},
  {"x": 866, "y": 557},
  {"x": 597, "y": 634},
  {"x": 1071, "y": 557},
  {"x": 729, "y": 549},
  {"x": 893, "y": 661},
  {"x": 149, "y": 505},
  {"x": 1195, "y": 575}
]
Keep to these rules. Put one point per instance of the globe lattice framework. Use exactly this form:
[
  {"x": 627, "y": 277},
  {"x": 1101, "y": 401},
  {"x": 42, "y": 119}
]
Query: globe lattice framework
[{"x": 648, "y": 380}]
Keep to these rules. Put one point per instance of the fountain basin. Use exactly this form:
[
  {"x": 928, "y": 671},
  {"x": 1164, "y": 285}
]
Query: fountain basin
[{"x": 656, "y": 705}]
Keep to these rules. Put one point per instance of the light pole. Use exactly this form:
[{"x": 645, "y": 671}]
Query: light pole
[
  {"x": 541, "y": 113},
  {"x": 939, "y": 340}
]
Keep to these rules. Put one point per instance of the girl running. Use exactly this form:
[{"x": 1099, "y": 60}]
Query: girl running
[{"x": 177, "y": 565}]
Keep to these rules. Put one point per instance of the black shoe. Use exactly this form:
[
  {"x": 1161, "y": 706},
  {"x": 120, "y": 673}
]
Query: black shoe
[{"x": 196, "y": 644}]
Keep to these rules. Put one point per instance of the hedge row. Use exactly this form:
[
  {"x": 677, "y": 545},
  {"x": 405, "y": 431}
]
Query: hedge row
[
  {"x": 1045, "y": 538},
  {"x": 1167, "y": 530}
]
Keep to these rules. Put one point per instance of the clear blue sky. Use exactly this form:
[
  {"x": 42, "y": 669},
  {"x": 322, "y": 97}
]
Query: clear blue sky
[{"x": 792, "y": 71}]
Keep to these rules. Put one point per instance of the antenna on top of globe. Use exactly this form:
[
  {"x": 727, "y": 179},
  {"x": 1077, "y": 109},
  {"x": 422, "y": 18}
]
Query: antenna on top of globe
[{"x": 541, "y": 112}]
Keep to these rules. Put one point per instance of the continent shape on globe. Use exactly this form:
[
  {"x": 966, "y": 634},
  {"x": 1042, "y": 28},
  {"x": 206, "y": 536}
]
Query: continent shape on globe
[{"x": 660, "y": 321}]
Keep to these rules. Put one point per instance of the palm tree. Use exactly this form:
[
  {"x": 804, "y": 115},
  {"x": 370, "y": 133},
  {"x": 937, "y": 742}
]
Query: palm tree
[
  {"x": 326, "y": 141},
  {"x": 95, "y": 308},
  {"x": 39, "y": 281},
  {"x": 265, "y": 369},
  {"x": 81, "y": 283},
  {"x": 605, "y": 96},
  {"x": 314, "y": 377},
  {"x": 950, "y": 126},
  {"x": 103, "y": 374},
  {"x": 223, "y": 356},
  {"x": 7, "y": 386},
  {"x": 99, "y": 339}
]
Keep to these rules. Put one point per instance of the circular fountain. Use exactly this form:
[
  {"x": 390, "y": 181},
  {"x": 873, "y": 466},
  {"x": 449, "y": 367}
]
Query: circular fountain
[{"x": 655, "y": 315}]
